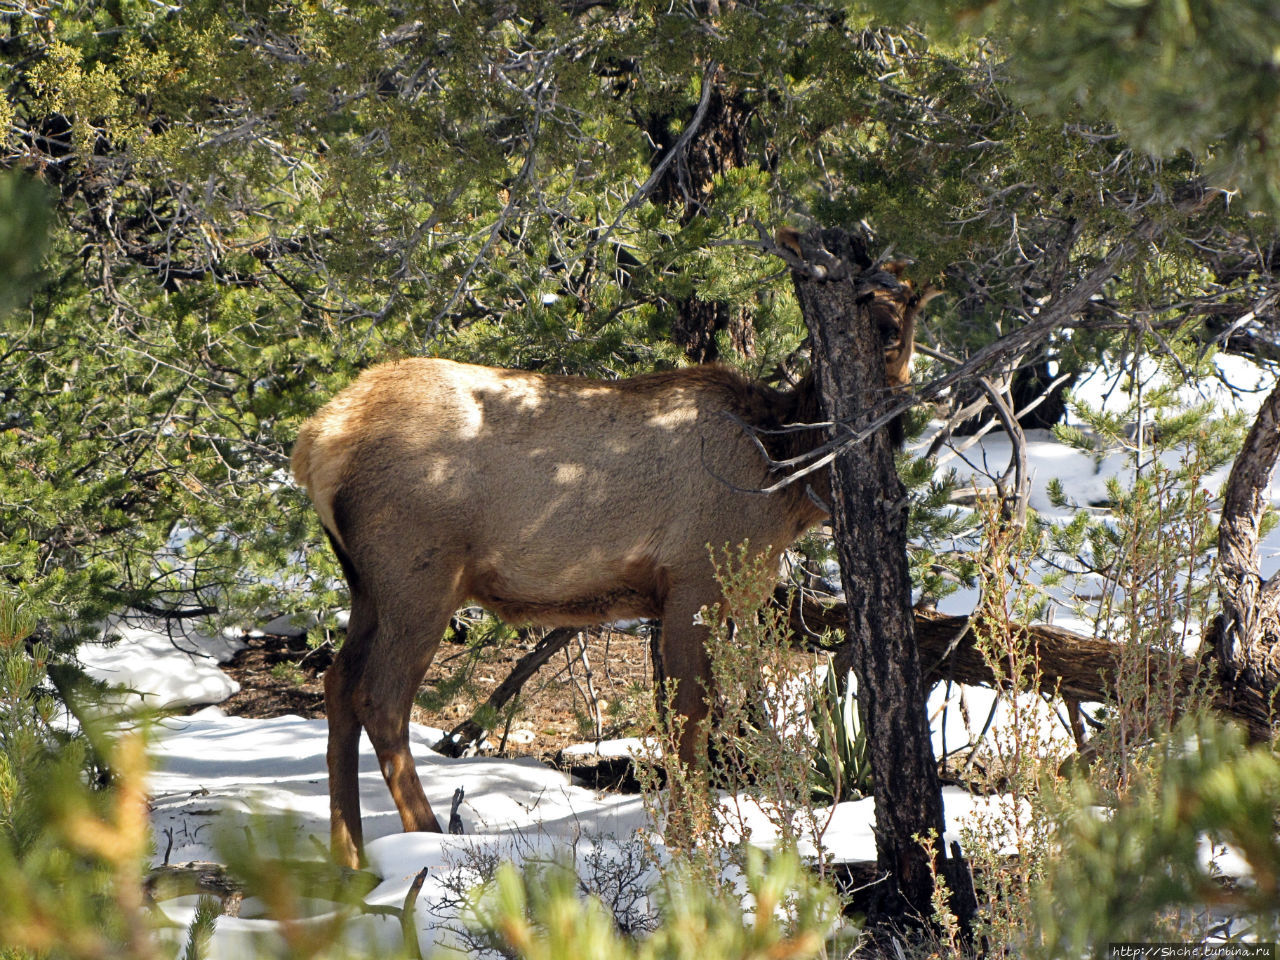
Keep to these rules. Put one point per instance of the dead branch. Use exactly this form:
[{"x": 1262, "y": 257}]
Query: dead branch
[
  {"x": 469, "y": 731},
  {"x": 1013, "y": 502},
  {"x": 1057, "y": 313}
]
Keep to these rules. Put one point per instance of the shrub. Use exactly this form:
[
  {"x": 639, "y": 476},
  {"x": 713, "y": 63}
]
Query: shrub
[
  {"x": 841, "y": 767},
  {"x": 1139, "y": 871},
  {"x": 759, "y": 768},
  {"x": 71, "y": 848},
  {"x": 538, "y": 915}
]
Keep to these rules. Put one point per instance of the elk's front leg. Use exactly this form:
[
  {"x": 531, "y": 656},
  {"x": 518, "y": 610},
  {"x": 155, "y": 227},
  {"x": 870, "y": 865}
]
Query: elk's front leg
[{"x": 686, "y": 664}]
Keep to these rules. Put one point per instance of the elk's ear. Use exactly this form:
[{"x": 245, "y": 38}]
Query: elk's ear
[
  {"x": 788, "y": 237},
  {"x": 924, "y": 296}
]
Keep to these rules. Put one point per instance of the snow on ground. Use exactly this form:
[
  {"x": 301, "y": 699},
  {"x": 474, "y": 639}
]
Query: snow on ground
[
  {"x": 239, "y": 771},
  {"x": 1084, "y": 478},
  {"x": 241, "y": 765},
  {"x": 160, "y": 668},
  {"x": 219, "y": 776}
]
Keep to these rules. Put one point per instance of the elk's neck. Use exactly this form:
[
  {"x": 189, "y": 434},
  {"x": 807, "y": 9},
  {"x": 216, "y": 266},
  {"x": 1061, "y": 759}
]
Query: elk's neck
[
  {"x": 802, "y": 405},
  {"x": 806, "y": 403}
]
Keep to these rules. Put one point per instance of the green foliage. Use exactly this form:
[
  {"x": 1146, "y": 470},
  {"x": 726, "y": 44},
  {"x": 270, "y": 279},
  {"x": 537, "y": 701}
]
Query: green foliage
[
  {"x": 35, "y": 735},
  {"x": 73, "y": 847},
  {"x": 538, "y": 915},
  {"x": 479, "y": 632},
  {"x": 765, "y": 695},
  {"x": 936, "y": 529},
  {"x": 24, "y": 224},
  {"x": 27, "y": 719},
  {"x": 1196, "y": 76},
  {"x": 841, "y": 766},
  {"x": 70, "y": 851},
  {"x": 72, "y": 854},
  {"x": 781, "y": 743},
  {"x": 208, "y": 909},
  {"x": 1148, "y": 562},
  {"x": 288, "y": 673},
  {"x": 1137, "y": 871},
  {"x": 254, "y": 203},
  {"x": 1009, "y": 839},
  {"x": 248, "y": 204}
]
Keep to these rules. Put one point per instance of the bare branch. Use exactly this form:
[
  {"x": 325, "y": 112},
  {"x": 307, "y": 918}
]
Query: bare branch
[
  {"x": 1013, "y": 506},
  {"x": 469, "y": 731},
  {"x": 646, "y": 188},
  {"x": 1055, "y": 315}
]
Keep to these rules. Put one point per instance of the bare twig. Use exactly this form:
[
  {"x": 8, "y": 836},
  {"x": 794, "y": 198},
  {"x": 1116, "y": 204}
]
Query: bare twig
[
  {"x": 593, "y": 701},
  {"x": 1013, "y": 503}
]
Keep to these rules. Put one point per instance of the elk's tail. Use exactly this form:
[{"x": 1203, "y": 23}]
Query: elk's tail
[
  {"x": 317, "y": 469},
  {"x": 300, "y": 459}
]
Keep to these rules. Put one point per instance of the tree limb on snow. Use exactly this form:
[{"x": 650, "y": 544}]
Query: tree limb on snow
[{"x": 1072, "y": 666}]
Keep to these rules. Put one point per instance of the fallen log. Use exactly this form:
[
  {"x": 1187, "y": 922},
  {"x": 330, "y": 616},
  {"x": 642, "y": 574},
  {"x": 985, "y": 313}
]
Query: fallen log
[
  {"x": 312, "y": 879},
  {"x": 1072, "y": 666}
]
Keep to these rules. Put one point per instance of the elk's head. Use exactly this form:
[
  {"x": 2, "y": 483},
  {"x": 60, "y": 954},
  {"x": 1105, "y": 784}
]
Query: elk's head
[{"x": 894, "y": 305}]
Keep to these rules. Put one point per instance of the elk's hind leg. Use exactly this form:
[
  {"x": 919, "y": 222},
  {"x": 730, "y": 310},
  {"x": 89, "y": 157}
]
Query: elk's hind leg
[
  {"x": 346, "y": 836},
  {"x": 398, "y": 659}
]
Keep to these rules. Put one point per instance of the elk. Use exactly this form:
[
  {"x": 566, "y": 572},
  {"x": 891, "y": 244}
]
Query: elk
[{"x": 549, "y": 500}]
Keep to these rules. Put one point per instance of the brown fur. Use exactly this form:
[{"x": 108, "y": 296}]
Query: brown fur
[{"x": 549, "y": 500}]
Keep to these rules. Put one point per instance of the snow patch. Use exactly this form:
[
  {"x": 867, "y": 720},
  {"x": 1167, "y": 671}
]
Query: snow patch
[{"x": 159, "y": 667}]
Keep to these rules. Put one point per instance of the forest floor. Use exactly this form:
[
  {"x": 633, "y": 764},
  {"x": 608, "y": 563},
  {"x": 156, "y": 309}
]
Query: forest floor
[{"x": 281, "y": 675}]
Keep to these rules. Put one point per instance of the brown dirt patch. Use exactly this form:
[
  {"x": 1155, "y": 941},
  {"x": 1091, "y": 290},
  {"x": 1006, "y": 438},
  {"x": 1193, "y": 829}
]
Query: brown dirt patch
[{"x": 277, "y": 675}]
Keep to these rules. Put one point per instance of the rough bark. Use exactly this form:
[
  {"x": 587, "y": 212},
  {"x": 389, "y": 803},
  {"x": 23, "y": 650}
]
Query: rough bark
[
  {"x": 1247, "y": 633},
  {"x": 869, "y": 513}
]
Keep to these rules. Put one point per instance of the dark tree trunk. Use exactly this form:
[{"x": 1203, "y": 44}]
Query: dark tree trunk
[
  {"x": 696, "y": 323},
  {"x": 1246, "y": 636},
  {"x": 869, "y": 512},
  {"x": 720, "y": 145}
]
